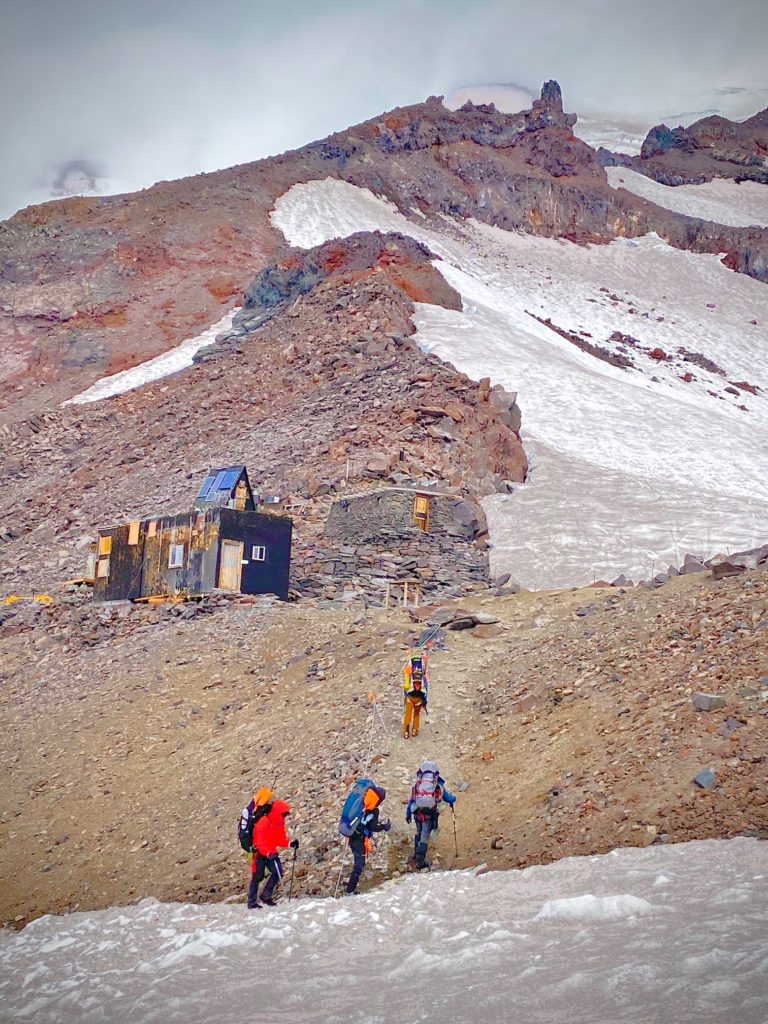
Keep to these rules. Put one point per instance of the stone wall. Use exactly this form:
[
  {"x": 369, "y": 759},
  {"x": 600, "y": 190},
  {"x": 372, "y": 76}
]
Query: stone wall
[
  {"x": 368, "y": 517},
  {"x": 370, "y": 540}
]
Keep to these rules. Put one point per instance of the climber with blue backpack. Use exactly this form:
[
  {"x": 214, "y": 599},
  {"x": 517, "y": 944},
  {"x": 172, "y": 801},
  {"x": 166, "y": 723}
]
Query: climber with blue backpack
[
  {"x": 359, "y": 820},
  {"x": 424, "y": 808}
]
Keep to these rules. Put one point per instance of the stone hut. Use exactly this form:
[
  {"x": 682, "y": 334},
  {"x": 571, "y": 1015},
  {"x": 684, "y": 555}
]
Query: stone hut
[{"x": 393, "y": 534}]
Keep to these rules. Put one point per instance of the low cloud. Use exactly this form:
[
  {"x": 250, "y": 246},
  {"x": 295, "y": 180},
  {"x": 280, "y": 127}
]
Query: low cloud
[{"x": 158, "y": 90}]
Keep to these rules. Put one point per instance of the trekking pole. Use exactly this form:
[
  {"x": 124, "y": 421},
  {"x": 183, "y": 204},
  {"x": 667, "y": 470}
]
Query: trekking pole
[
  {"x": 293, "y": 868},
  {"x": 455, "y": 840},
  {"x": 341, "y": 869}
]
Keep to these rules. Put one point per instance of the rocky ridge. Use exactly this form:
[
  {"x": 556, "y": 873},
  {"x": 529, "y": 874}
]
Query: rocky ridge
[
  {"x": 327, "y": 396},
  {"x": 712, "y": 147},
  {"x": 93, "y": 285}
]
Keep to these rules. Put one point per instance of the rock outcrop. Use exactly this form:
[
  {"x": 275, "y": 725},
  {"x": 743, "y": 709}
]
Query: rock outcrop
[
  {"x": 326, "y": 394},
  {"x": 95, "y": 285},
  {"x": 712, "y": 147}
]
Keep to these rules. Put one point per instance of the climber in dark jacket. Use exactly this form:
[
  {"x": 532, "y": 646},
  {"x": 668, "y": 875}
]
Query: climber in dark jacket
[
  {"x": 360, "y": 841},
  {"x": 424, "y": 807}
]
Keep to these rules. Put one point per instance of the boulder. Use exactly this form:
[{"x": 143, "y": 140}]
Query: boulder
[
  {"x": 379, "y": 464},
  {"x": 467, "y": 622},
  {"x": 488, "y": 632},
  {"x": 442, "y": 616},
  {"x": 708, "y": 701},
  {"x": 691, "y": 564},
  {"x": 725, "y": 569},
  {"x": 706, "y": 779}
]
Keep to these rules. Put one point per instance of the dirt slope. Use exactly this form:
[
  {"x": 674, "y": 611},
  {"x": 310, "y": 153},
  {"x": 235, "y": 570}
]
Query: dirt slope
[{"x": 567, "y": 728}]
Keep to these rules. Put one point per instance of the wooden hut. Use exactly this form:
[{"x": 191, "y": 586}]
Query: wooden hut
[{"x": 224, "y": 543}]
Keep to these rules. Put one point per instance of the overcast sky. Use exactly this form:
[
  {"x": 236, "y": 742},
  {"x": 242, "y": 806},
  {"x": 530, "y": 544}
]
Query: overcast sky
[{"x": 152, "y": 89}]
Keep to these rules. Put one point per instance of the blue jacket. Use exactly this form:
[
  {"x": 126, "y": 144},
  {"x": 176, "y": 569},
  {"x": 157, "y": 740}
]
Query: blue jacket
[{"x": 449, "y": 798}]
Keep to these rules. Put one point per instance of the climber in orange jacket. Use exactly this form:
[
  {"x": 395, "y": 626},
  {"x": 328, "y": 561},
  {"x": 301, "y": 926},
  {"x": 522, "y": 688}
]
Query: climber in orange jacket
[
  {"x": 415, "y": 692},
  {"x": 269, "y": 836}
]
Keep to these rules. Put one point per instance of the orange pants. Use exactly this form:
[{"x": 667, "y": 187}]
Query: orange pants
[{"x": 411, "y": 717}]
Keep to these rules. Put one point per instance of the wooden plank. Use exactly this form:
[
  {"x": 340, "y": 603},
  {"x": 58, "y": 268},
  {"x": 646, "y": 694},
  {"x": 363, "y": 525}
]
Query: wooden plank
[{"x": 231, "y": 565}]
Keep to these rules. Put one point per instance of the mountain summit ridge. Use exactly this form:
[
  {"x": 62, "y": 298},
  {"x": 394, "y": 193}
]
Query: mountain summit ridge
[{"x": 91, "y": 286}]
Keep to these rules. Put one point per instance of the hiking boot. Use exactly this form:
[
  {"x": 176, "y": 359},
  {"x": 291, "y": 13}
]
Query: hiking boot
[
  {"x": 254, "y": 906},
  {"x": 267, "y": 901}
]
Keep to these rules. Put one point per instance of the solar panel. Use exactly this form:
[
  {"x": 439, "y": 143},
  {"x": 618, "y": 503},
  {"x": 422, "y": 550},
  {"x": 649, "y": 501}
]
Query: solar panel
[
  {"x": 206, "y": 486},
  {"x": 229, "y": 481},
  {"x": 216, "y": 485}
]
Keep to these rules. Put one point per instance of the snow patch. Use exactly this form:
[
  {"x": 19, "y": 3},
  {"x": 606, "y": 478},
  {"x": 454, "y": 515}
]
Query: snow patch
[
  {"x": 630, "y": 467},
  {"x": 178, "y": 358},
  {"x": 738, "y": 204},
  {"x": 593, "y": 908},
  {"x": 482, "y": 948}
]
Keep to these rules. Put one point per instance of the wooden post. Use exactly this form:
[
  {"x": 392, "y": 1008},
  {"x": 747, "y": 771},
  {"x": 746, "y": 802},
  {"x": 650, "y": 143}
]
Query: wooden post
[{"x": 405, "y": 594}]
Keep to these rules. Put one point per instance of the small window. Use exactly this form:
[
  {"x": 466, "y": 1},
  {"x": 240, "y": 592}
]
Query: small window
[
  {"x": 259, "y": 553},
  {"x": 133, "y": 533},
  {"x": 105, "y": 545},
  {"x": 176, "y": 556},
  {"x": 102, "y": 568}
]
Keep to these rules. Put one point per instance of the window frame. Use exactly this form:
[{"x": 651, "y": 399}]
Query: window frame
[
  {"x": 255, "y": 548},
  {"x": 173, "y": 550}
]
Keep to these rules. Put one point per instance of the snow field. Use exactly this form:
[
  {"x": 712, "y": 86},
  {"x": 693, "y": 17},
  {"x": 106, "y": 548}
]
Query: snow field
[
  {"x": 631, "y": 468},
  {"x": 178, "y": 358},
  {"x": 665, "y": 933},
  {"x": 721, "y": 200}
]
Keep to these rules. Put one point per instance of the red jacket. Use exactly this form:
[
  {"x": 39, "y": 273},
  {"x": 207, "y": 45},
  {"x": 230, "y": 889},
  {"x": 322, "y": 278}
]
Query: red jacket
[{"x": 269, "y": 834}]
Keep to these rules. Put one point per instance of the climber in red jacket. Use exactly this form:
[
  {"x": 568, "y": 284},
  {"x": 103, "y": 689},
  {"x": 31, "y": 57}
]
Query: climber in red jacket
[{"x": 269, "y": 836}]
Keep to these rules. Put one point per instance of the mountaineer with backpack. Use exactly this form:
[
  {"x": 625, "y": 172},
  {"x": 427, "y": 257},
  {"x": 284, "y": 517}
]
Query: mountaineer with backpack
[
  {"x": 262, "y": 833},
  {"x": 415, "y": 692},
  {"x": 359, "y": 820},
  {"x": 424, "y": 808}
]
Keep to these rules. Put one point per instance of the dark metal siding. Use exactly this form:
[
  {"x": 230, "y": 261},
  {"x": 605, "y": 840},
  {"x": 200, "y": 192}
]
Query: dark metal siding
[
  {"x": 142, "y": 570},
  {"x": 125, "y": 567},
  {"x": 272, "y": 532}
]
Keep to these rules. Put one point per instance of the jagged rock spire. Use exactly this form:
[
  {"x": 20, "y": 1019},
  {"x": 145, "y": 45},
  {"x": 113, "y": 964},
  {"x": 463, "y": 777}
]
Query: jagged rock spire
[{"x": 548, "y": 109}]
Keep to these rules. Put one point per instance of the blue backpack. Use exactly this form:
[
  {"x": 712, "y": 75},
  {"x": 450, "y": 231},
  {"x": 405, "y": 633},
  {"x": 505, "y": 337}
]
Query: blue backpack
[{"x": 354, "y": 806}]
